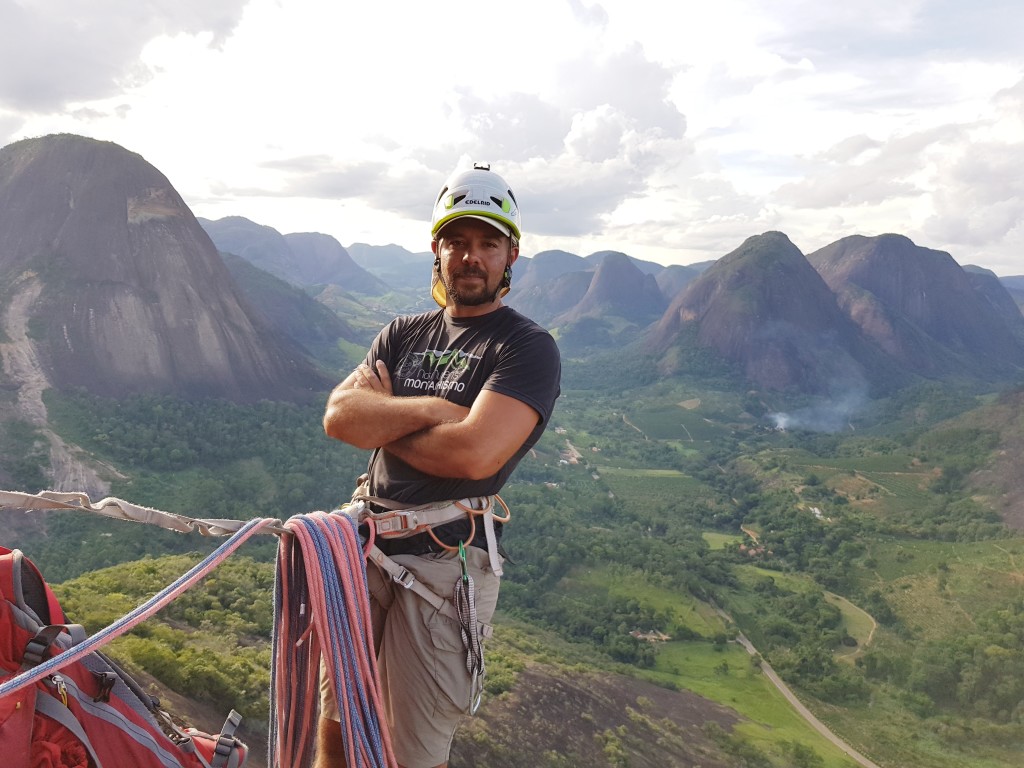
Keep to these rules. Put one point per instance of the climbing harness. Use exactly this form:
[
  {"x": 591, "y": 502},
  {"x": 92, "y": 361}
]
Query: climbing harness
[{"x": 397, "y": 521}]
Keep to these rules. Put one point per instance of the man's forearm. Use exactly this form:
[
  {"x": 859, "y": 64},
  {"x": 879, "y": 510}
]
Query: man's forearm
[
  {"x": 368, "y": 419},
  {"x": 473, "y": 448},
  {"x": 437, "y": 451}
]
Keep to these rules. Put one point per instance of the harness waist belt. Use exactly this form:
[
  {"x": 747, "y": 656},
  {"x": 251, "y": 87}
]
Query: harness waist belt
[{"x": 411, "y": 530}]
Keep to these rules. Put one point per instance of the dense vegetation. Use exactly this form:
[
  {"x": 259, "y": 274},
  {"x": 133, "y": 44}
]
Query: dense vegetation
[
  {"x": 852, "y": 560},
  {"x": 24, "y": 454},
  {"x": 209, "y": 459}
]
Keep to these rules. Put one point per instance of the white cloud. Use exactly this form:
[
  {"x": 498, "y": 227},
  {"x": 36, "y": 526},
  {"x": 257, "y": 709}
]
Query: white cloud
[
  {"x": 59, "y": 52},
  {"x": 631, "y": 125}
]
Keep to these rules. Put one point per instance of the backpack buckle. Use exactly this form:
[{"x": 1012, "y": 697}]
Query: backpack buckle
[{"x": 36, "y": 648}]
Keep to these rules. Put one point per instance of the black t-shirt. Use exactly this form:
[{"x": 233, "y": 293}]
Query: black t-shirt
[{"x": 456, "y": 358}]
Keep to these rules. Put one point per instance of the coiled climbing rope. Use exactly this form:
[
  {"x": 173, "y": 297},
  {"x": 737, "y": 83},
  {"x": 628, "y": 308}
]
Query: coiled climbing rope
[{"x": 322, "y": 615}]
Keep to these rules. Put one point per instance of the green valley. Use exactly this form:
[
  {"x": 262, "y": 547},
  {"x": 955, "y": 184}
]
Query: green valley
[{"x": 650, "y": 530}]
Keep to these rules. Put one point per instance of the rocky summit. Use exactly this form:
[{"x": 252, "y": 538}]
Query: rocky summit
[
  {"x": 765, "y": 309},
  {"x": 111, "y": 285}
]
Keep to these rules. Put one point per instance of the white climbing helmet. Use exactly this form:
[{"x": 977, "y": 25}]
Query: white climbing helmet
[{"x": 481, "y": 194}]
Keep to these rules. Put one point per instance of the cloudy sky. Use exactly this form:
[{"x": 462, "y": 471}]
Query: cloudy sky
[{"x": 670, "y": 131}]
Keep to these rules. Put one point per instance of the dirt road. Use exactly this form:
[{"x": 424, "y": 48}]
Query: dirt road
[{"x": 803, "y": 711}]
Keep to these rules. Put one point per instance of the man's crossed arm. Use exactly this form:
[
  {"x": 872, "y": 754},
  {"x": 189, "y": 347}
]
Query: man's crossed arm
[{"x": 433, "y": 435}]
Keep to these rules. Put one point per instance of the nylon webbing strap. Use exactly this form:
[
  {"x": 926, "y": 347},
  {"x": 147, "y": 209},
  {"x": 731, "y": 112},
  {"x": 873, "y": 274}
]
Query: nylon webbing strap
[
  {"x": 225, "y": 754},
  {"x": 119, "y": 509}
]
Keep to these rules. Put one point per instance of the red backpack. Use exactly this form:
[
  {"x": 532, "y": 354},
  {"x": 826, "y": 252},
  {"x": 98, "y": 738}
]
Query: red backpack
[{"x": 90, "y": 713}]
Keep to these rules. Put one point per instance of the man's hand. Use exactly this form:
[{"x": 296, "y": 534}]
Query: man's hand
[{"x": 376, "y": 379}]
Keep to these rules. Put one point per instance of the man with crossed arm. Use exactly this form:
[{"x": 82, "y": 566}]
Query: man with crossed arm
[{"x": 449, "y": 401}]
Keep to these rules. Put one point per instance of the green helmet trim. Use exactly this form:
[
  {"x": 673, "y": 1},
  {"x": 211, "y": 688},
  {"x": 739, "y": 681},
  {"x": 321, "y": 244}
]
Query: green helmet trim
[{"x": 503, "y": 220}]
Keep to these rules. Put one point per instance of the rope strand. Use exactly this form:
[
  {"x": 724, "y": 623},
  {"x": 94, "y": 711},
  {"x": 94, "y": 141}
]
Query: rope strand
[{"x": 140, "y": 614}]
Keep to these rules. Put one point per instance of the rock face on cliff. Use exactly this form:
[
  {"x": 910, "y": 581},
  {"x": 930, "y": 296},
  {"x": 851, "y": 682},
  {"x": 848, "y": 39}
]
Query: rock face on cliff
[
  {"x": 921, "y": 307},
  {"x": 998, "y": 296},
  {"x": 128, "y": 293},
  {"x": 765, "y": 309}
]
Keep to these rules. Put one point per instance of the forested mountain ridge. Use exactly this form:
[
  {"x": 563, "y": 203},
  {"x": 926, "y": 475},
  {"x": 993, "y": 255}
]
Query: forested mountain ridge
[
  {"x": 609, "y": 300},
  {"x": 302, "y": 258}
]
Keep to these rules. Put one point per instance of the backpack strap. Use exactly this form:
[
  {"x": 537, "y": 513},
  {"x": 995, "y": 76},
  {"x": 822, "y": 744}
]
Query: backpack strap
[
  {"x": 54, "y": 709},
  {"x": 226, "y": 753},
  {"x": 36, "y": 648},
  {"x": 24, "y": 586}
]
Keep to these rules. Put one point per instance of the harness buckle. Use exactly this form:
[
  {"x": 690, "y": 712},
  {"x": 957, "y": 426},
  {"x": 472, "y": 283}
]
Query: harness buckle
[
  {"x": 396, "y": 523},
  {"x": 404, "y": 577}
]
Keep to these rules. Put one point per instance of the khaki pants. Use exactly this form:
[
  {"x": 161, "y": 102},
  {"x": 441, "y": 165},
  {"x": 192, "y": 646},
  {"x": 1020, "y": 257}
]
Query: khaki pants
[{"x": 420, "y": 654}]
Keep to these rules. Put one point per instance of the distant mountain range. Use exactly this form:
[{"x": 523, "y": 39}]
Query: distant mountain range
[
  {"x": 869, "y": 313},
  {"x": 301, "y": 258},
  {"x": 120, "y": 289}
]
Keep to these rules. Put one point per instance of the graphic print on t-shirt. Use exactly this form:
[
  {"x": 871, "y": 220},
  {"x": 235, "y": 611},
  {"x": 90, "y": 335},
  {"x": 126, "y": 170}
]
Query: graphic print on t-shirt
[{"x": 436, "y": 370}]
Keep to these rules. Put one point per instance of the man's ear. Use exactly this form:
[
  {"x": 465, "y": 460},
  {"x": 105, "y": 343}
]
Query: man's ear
[
  {"x": 433, "y": 247},
  {"x": 513, "y": 254}
]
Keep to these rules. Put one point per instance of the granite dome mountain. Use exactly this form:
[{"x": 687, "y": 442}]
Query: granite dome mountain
[
  {"x": 765, "y": 309},
  {"x": 932, "y": 316},
  {"x": 111, "y": 285},
  {"x": 865, "y": 313}
]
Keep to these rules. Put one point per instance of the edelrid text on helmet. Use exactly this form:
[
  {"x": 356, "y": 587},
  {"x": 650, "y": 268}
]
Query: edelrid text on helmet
[{"x": 482, "y": 194}]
